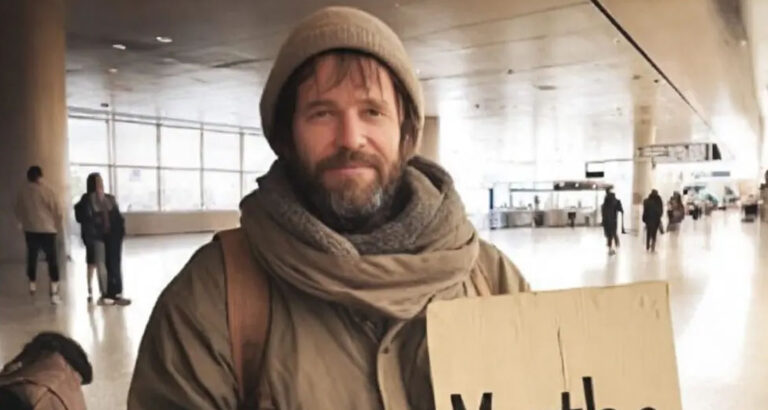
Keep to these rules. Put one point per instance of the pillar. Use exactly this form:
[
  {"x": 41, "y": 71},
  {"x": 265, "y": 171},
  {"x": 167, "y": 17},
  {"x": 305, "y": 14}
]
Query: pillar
[
  {"x": 430, "y": 140},
  {"x": 33, "y": 112},
  {"x": 642, "y": 174}
]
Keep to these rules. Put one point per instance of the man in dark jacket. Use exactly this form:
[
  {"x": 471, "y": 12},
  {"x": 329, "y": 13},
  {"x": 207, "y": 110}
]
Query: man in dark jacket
[
  {"x": 653, "y": 209},
  {"x": 610, "y": 210}
]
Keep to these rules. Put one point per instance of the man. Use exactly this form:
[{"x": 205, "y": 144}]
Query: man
[
  {"x": 355, "y": 234},
  {"x": 619, "y": 209},
  {"x": 38, "y": 212},
  {"x": 47, "y": 374},
  {"x": 609, "y": 211},
  {"x": 653, "y": 210}
]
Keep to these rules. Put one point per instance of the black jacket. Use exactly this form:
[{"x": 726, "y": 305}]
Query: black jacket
[
  {"x": 653, "y": 210},
  {"x": 92, "y": 227}
]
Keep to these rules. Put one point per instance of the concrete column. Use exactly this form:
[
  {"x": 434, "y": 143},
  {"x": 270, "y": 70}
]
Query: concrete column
[
  {"x": 642, "y": 179},
  {"x": 430, "y": 140},
  {"x": 33, "y": 111}
]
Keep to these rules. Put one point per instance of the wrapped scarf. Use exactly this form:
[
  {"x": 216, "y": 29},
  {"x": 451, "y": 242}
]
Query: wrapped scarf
[{"x": 424, "y": 253}]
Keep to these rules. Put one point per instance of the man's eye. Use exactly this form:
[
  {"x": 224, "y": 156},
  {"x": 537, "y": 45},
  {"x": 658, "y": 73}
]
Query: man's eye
[
  {"x": 371, "y": 112},
  {"x": 320, "y": 114}
]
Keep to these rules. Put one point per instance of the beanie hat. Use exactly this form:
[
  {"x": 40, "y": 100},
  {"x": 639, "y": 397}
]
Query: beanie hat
[{"x": 338, "y": 28}]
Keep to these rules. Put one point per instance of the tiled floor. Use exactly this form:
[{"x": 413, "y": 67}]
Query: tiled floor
[{"x": 718, "y": 288}]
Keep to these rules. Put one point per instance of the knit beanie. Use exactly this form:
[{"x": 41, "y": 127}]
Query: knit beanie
[{"x": 339, "y": 28}]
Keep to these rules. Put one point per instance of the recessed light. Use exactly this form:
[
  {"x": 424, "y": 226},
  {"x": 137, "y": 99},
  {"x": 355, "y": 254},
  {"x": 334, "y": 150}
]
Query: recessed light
[
  {"x": 164, "y": 39},
  {"x": 119, "y": 46},
  {"x": 112, "y": 70}
]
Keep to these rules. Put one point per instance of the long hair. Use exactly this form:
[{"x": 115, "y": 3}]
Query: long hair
[{"x": 90, "y": 183}]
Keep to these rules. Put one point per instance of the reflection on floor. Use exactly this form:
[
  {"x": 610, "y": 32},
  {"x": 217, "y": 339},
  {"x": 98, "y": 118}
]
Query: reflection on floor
[{"x": 718, "y": 290}]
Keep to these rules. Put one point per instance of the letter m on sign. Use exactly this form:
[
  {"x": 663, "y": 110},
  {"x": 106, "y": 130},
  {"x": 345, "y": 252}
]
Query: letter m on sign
[{"x": 485, "y": 404}]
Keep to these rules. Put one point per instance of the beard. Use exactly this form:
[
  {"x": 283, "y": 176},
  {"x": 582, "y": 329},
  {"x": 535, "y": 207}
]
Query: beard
[{"x": 351, "y": 204}]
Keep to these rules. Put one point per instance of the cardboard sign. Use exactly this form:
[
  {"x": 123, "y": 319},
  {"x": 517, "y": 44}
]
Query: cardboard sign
[{"x": 582, "y": 349}]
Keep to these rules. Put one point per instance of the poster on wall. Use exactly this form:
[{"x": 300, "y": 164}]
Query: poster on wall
[{"x": 582, "y": 349}]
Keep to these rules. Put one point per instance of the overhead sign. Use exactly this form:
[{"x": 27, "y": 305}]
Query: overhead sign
[
  {"x": 683, "y": 152},
  {"x": 583, "y": 349}
]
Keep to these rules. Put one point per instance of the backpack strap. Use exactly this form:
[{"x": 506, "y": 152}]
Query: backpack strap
[
  {"x": 248, "y": 314},
  {"x": 480, "y": 282}
]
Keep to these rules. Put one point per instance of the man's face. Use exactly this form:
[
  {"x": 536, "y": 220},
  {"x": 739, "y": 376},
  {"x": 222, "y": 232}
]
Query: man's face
[{"x": 347, "y": 136}]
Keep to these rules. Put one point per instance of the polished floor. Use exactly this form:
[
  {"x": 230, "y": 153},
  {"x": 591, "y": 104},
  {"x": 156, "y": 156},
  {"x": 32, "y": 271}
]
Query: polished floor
[{"x": 719, "y": 298}]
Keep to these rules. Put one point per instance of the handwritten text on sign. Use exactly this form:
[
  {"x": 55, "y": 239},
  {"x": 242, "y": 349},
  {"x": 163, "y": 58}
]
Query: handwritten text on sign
[
  {"x": 614, "y": 343},
  {"x": 589, "y": 397}
]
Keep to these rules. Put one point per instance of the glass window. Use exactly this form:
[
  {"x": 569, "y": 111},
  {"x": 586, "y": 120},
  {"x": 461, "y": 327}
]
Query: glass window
[
  {"x": 257, "y": 155},
  {"x": 249, "y": 182},
  {"x": 135, "y": 144},
  {"x": 180, "y": 147},
  {"x": 137, "y": 189},
  {"x": 87, "y": 141},
  {"x": 78, "y": 175},
  {"x": 221, "y": 151},
  {"x": 181, "y": 190},
  {"x": 221, "y": 190}
]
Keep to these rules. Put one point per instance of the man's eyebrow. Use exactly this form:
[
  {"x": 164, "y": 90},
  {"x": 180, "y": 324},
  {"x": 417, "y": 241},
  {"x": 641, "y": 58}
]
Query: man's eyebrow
[
  {"x": 375, "y": 102},
  {"x": 319, "y": 103}
]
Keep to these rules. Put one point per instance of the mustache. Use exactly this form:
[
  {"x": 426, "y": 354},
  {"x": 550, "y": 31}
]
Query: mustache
[{"x": 346, "y": 158}]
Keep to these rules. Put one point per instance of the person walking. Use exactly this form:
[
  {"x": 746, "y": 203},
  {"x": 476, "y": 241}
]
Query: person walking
[
  {"x": 653, "y": 210},
  {"x": 318, "y": 301},
  {"x": 102, "y": 231},
  {"x": 610, "y": 211},
  {"x": 37, "y": 211}
]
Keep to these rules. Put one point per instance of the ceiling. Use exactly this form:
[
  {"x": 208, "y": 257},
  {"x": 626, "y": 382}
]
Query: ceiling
[{"x": 495, "y": 64}]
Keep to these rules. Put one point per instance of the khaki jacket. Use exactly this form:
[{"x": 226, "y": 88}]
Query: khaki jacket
[
  {"x": 185, "y": 359},
  {"x": 48, "y": 383},
  {"x": 37, "y": 209}
]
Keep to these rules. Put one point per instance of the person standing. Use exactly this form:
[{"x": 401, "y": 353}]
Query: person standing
[
  {"x": 37, "y": 211},
  {"x": 619, "y": 209},
  {"x": 102, "y": 231},
  {"x": 653, "y": 210},
  {"x": 610, "y": 211},
  {"x": 353, "y": 234}
]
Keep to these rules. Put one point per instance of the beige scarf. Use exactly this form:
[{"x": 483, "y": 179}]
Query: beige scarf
[{"x": 424, "y": 253}]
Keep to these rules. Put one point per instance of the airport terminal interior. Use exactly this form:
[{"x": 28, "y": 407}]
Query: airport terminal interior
[{"x": 536, "y": 108}]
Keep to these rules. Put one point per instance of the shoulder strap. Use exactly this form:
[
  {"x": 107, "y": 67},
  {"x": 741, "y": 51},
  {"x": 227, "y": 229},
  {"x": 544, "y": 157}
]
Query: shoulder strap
[
  {"x": 248, "y": 313},
  {"x": 480, "y": 281}
]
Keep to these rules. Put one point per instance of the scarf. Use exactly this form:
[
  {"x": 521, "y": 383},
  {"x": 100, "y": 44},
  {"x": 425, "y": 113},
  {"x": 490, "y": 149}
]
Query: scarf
[{"x": 424, "y": 253}]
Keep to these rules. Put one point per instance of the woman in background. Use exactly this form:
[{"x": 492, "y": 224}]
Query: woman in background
[{"x": 102, "y": 231}]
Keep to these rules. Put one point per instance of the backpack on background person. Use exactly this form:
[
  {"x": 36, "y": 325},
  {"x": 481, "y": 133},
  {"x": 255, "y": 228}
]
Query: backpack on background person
[{"x": 46, "y": 375}]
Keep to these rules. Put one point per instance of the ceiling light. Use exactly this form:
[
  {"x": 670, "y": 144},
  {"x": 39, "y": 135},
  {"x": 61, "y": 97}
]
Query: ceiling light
[
  {"x": 164, "y": 39},
  {"x": 112, "y": 70},
  {"x": 119, "y": 46}
]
